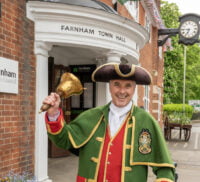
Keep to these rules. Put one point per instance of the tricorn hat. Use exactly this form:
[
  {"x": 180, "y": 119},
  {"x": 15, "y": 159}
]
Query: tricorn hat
[{"x": 114, "y": 71}]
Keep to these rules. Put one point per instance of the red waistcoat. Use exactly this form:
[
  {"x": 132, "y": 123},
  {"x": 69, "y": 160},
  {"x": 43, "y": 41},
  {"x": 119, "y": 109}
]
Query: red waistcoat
[{"x": 111, "y": 158}]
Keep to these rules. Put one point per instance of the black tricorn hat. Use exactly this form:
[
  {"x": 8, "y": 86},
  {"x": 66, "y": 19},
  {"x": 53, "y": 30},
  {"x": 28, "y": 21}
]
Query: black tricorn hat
[{"x": 115, "y": 71}]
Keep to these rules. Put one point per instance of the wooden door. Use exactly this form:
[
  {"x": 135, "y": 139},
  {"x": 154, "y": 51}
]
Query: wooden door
[{"x": 55, "y": 72}]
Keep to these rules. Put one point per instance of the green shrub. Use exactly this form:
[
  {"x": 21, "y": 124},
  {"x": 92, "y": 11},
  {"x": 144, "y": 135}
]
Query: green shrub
[
  {"x": 178, "y": 113},
  {"x": 196, "y": 115}
]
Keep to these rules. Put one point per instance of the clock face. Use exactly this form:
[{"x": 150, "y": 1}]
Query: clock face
[{"x": 189, "y": 29}]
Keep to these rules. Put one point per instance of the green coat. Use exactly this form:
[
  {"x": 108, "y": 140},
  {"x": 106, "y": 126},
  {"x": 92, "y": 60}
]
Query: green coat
[{"x": 144, "y": 144}]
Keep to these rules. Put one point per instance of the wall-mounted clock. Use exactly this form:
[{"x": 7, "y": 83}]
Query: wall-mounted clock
[{"x": 189, "y": 29}]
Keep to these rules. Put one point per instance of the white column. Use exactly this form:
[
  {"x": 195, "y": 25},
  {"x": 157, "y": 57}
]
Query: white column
[
  {"x": 135, "y": 96},
  {"x": 100, "y": 86},
  {"x": 41, "y": 140},
  {"x": 112, "y": 56}
]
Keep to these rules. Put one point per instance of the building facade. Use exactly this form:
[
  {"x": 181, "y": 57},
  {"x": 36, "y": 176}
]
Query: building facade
[{"x": 39, "y": 40}]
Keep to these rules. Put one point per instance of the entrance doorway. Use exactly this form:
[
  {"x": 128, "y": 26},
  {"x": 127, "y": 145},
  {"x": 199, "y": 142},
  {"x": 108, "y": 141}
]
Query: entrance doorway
[
  {"x": 54, "y": 73},
  {"x": 85, "y": 101},
  {"x": 74, "y": 105}
]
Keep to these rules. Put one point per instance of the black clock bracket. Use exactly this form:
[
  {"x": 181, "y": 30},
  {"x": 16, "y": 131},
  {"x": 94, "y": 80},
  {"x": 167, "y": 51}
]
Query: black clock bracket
[{"x": 188, "y": 30}]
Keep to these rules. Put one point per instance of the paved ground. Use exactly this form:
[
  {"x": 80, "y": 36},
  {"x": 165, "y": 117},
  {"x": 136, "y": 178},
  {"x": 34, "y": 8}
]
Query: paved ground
[{"x": 186, "y": 154}]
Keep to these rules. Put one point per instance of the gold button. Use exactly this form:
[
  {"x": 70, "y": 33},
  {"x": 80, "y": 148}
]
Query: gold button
[
  {"x": 109, "y": 153},
  {"x": 108, "y": 162}
]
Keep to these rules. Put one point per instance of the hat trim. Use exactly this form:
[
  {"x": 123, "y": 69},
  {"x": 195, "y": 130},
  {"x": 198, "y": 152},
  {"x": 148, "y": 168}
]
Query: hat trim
[
  {"x": 100, "y": 68},
  {"x": 122, "y": 74},
  {"x": 147, "y": 73}
]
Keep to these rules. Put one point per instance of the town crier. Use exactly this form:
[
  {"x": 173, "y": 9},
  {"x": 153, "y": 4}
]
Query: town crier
[{"x": 118, "y": 141}]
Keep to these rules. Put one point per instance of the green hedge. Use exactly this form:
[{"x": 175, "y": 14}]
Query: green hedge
[{"x": 178, "y": 114}]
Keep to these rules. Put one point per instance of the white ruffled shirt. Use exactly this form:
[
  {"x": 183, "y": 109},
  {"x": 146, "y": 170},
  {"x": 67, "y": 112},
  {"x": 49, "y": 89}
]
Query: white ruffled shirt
[{"x": 116, "y": 117}]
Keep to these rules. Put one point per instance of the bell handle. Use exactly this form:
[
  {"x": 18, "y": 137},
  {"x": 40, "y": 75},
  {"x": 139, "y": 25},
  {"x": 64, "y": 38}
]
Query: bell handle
[{"x": 45, "y": 107}]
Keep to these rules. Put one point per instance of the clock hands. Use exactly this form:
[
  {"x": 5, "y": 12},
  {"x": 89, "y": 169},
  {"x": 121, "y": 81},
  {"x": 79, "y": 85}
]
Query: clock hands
[
  {"x": 186, "y": 30},
  {"x": 189, "y": 29}
]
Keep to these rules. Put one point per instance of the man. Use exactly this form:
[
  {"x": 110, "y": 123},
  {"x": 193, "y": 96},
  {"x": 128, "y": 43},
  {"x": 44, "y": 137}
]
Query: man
[{"x": 117, "y": 142}]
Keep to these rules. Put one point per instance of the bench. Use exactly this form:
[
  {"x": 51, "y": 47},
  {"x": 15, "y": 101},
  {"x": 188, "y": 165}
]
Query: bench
[{"x": 168, "y": 127}]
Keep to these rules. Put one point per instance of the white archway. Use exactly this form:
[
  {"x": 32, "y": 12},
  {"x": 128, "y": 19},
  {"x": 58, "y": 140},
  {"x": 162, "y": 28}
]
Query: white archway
[{"x": 108, "y": 35}]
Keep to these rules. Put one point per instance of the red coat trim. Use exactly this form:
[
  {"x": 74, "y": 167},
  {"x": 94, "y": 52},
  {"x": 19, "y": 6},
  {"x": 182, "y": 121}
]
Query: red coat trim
[
  {"x": 55, "y": 127},
  {"x": 80, "y": 179},
  {"x": 111, "y": 159}
]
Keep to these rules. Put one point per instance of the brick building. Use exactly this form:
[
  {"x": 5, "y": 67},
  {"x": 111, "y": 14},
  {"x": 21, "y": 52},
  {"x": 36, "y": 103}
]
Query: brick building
[{"x": 39, "y": 40}]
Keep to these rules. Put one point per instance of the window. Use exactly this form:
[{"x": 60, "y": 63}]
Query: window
[
  {"x": 160, "y": 52},
  {"x": 147, "y": 23},
  {"x": 146, "y": 97},
  {"x": 0, "y": 10},
  {"x": 86, "y": 100},
  {"x": 114, "y": 4},
  {"x": 133, "y": 9},
  {"x": 159, "y": 103},
  {"x": 147, "y": 26}
]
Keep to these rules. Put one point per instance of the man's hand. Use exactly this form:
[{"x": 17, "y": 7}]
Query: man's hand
[{"x": 54, "y": 100}]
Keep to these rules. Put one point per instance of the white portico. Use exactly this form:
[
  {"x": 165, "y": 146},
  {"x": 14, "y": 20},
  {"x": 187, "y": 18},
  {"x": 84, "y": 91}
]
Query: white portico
[{"x": 77, "y": 33}]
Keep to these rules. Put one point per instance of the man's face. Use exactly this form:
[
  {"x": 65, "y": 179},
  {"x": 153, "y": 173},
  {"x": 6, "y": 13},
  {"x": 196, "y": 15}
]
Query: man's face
[{"x": 122, "y": 91}]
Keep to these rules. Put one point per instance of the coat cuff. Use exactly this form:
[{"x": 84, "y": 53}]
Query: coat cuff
[
  {"x": 80, "y": 179},
  {"x": 163, "y": 180},
  {"x": 55, "y": 127}
]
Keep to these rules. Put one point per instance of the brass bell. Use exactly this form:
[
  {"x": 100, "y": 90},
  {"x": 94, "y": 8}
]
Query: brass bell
[{"x": 69, "y": 85}]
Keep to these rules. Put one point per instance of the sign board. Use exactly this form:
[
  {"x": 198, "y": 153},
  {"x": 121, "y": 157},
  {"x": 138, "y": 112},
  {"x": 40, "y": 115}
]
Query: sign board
[
  {"x": 93, "y": 32},
  {"x": 84, "y": 32},
  {"x": 8, "y": 76},
  {"x": 195, "y": 104}
]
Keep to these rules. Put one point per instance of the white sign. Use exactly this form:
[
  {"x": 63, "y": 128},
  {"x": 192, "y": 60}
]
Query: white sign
[
  {"x": 96, "y": 33},
  {"x": 195, "y": 104},
  {"x": 91, "y": 31},
  {"x": 8, "y": 76}
]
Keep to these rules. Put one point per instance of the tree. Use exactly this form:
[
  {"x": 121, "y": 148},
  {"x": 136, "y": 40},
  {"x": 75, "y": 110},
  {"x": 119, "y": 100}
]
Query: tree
[
  {"x": 193, "y": 73},
  {"x": 173, "y": 66}
]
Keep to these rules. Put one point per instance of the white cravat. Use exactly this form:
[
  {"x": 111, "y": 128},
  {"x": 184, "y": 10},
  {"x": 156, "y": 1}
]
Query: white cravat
[{"x": 116, "y": 117}]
